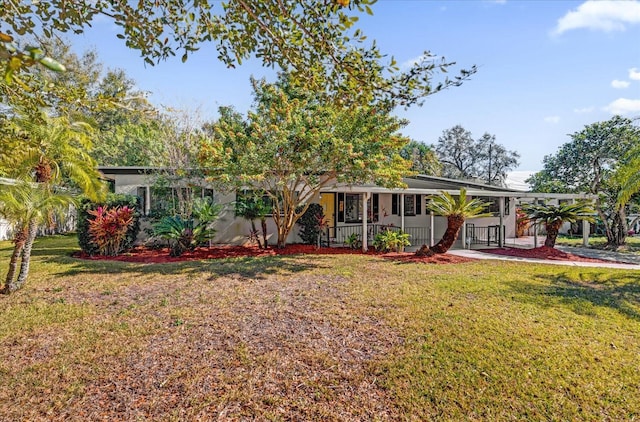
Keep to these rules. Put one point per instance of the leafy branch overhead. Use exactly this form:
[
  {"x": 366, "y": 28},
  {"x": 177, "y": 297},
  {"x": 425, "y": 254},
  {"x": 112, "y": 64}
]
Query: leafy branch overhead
[{"x": 314, "y": 40}]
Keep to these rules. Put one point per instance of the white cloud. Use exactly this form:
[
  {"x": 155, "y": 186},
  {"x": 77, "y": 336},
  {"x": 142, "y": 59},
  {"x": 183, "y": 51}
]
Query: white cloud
[
  {"x": 552, "y": 119},
  {"x": 583, "y": 110},
  {"x": 619, "y": 84},
  {"x": 634, "y": 74},
  {"x": 623, "y": 106},
  {"x": 602, "y": 15}
]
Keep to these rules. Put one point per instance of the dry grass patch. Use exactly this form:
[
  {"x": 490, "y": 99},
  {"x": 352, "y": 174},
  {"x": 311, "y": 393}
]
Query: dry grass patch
[{"x": 346, "y": 337}]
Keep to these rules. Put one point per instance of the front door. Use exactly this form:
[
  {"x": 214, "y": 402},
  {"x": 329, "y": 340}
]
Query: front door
[{"x": 328, "y": 203}]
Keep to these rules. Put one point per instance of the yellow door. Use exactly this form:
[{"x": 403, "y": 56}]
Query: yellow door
[{"x": 328, "y": 202}]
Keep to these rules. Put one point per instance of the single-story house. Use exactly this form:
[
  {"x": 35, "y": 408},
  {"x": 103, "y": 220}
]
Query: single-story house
[{"x": 345, "y": 208}]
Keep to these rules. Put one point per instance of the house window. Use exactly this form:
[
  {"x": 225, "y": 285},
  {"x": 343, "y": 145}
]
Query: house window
[
  {"x": 141, "y": 192},
  {"x": 412, "y": 205},
  {"x": 353, "y": 208},
  {"x": 493, "y": 205},
  {"x": 248, "y": 194}
]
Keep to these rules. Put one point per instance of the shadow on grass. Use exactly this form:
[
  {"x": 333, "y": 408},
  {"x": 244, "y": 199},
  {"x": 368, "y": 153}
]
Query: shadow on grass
[
  {"x": 247, "y": 267},
  {"x": 585, "y": 292}
]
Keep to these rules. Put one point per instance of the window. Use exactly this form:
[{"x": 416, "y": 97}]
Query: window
[
  {"x": 141, "y": 192},
  {"x": 412, "y": 205},
  {"x": 350, "y": 208},
  {"x": 247, "y": 194},
  {"x": 493, "y": 205}
]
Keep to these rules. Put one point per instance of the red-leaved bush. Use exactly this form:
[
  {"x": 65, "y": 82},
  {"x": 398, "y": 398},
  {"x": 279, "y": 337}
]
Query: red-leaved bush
[{"x": 109, "y": 228}]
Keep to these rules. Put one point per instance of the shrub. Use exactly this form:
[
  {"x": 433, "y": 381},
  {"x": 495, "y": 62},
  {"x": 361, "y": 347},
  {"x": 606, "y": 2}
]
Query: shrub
[
  {"x": 85, "y": 241},
  {"x": 311, "y": 224},
  {"x": 185, "y": 234},
  {"x": 391, "y": 240},
  {"x": 109, "y": 227},
  {"x": 353, "y": 241}
]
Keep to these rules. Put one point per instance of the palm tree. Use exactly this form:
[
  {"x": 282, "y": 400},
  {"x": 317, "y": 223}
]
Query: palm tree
[
  {"x": 53, "y": 154},
  {"x": 628, "y": 176},
  {"x": 553, "y": 216},
  {"x": 456, "y": 211},
  {"x": 56, "y": 152},
  {"x": 27, "y": 205}
]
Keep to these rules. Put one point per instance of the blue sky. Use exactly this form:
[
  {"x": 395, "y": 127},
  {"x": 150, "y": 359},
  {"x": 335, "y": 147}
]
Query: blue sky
[{"x": 546, "y": 68}]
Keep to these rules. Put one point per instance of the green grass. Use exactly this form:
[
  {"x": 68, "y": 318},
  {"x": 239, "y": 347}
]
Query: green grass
[
  {"x": 632, "y": 242},
  {"x": 342, "y": 337}
]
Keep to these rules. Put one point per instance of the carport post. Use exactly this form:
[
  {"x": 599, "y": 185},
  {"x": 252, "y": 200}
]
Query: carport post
[
  {"x": 586, "y": 228},
  {"x": 501, "y": 210},
  {"x": 535, "y": 229}
]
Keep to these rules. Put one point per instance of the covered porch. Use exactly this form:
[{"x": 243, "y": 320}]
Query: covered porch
[{"x": 345, "y": 208}]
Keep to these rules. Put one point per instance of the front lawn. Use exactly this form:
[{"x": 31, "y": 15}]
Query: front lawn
[
  {"x": 632, "y": 244},
  {"x": 332, "y": 337}
]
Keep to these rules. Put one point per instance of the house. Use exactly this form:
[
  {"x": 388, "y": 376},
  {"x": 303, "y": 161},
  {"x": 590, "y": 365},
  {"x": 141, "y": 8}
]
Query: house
[{"x": 345, "y": 207}]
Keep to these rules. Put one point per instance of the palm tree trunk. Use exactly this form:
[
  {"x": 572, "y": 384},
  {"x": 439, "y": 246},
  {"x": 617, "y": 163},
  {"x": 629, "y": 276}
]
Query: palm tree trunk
[
  {"x": 454, "y": 223},
  {"x": 552, "y": 233},
  {"x": 26, "y": 256},
  {"x": 18, "y": 241}
]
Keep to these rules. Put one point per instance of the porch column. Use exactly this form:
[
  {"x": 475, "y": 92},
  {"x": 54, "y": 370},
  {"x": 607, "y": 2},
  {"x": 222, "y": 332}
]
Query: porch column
[
  {"x": 585, "y": 233},
  {"x": 431, "y": 229},
  {"x": 501, "y": 221},
  {"x": 535, "y": 229},
  {"x": 402, "y": 211},
  {"x": 365, "y": 213},
  {"x": 463, "y": 235}
]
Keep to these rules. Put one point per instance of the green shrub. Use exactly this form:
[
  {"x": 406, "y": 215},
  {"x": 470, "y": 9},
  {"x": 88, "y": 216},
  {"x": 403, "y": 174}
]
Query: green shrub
[
  {"x": 353, "y": 241},
  {"x": 311, "y": 224},
  {"x": 113, "y": 200},
  {"x": 185, "y": 234},
  {"x": 391, "y": 240}
]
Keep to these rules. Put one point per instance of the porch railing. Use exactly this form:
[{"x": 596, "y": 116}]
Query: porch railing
[
  {"x": 341, "y": 235},
  {"x": 490, "y": 235}
]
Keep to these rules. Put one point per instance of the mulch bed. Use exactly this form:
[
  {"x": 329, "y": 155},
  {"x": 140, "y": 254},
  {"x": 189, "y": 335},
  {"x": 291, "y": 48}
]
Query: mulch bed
[
  {"x": 155, "y": 256},
  {"x": 543, "y": 252}
]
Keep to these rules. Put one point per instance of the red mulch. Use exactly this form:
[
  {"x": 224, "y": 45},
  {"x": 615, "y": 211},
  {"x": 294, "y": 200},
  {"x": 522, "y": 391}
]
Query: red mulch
[
  {"x": 543, "y": 252},
  {"x": 145, "y": 255}
]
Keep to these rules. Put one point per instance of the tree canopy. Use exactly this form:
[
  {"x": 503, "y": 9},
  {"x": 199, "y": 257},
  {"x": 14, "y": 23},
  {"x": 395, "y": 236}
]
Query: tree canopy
[
  {"x": 316, "y": 41},
  {"x": 463, "y": 157},
  {"x": 423, "y": 158},
  {"x": 587, "y": 164},
  {"x": 294, "y": 144}
]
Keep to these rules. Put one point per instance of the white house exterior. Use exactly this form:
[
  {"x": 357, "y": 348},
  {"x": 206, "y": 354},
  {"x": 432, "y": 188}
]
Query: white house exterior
[{"x": 344, "y": 208}]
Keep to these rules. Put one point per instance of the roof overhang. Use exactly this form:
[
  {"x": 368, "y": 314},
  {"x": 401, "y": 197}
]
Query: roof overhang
[{"x": 470, "y": 192}]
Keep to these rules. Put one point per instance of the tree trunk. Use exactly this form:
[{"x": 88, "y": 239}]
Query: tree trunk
[
  {"x": 14, "y": 285},
  {"x": 619, "y": 229},
  {"x": 552, "y": 233},
  {"x": 263, "y": 222},
  {"x": 284, "y": 229},
  {"x": 454, "y": 223},
  {"x": 254, "y": 232},
  {"x": 18, "y": 245}
]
